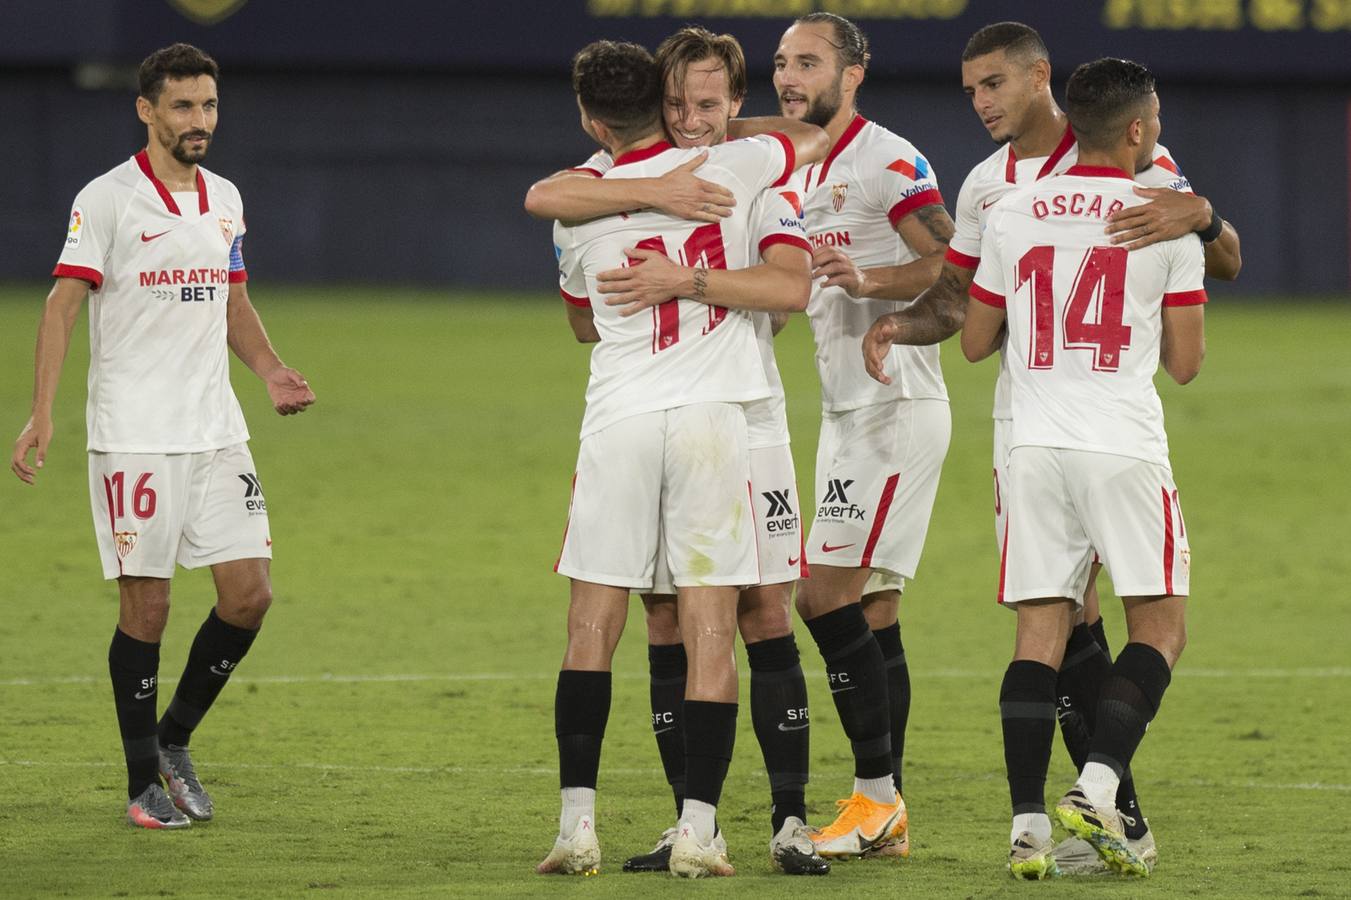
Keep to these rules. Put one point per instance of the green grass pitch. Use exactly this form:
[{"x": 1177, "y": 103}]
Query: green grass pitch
[{"x": 391, "y": 733}]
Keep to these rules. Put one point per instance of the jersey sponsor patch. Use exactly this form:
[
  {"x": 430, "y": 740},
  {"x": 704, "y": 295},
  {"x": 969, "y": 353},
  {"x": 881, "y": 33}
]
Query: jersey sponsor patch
[
  {"x": 914, "y": 169},
  {"x": 75, "y": 227},
  {"x": 794, "y": 201}
]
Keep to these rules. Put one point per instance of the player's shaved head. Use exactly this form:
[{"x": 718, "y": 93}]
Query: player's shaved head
[
  {"x": 1018, "y": 41},
  {"x": 1103, "y": 97},
  {"x": 175, "y": 61},
  {"x": 618, "y": 84},
  {"x": 693, "y": 44}
]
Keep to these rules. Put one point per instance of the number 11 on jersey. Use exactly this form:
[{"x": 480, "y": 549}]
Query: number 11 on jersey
[{"x": 703, "y": 245}]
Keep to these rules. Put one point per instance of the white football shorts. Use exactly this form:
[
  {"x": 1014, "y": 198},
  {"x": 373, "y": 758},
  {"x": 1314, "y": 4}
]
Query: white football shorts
[
  {"x": 877, "y": 472},
  {"x": 1065, "y": 503},
  {"x": 778, "y": 521},
  {"x": 679, "y": 477},
  {"x": 197, "y": 509}
]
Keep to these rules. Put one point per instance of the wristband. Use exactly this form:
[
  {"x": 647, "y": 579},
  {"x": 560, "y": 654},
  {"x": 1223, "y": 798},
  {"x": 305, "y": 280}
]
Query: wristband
[{"x": 1212, "y": 231}]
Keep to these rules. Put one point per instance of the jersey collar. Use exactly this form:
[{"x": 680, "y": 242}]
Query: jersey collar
[
  {"x": 1066, "y": 142},
  {"x": 203, "y": 205},
  {"x": 845, "y": 140},
  {"x": 643, "y": 153},
  {"x": 1099, "y": 172}
]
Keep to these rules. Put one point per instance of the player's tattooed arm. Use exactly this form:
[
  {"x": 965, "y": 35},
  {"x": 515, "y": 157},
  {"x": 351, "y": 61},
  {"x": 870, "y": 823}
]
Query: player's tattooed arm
[
  {"x": 244, "y": 331},
  {"x": 54, "y": 330},
  {"x": 936, "y": 315},
  {"x": 926, "y": 231},
  {"x": 983, "y": 332},
  {"x": 1170, "y": 214},
  {"x": 781, "y": 283},
  {"x": 573, "y": 197}
]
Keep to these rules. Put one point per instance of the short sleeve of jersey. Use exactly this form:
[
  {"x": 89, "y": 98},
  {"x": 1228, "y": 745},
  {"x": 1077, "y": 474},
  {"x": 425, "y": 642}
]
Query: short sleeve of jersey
[
  {"x": 765, "y": 160},
  {"x": 571, "y": 278},
  {"x": 1164, "y": 172},
  {"x": 780, "y": 219},
  {"x": 901, "y": 179},
  {"x": 964, "y": 248},
  {"x": 990, "y": 284},
  {"x": 597, "y": 164},
  {"x": 1186, "y": 272},
  {"x": 89, "y": 237}
]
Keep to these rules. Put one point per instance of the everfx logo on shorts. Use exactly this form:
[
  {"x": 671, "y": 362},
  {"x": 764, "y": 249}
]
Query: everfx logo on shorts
[
  {"x": 253, "y": 495},
  {"x": 836, "y": 503},
  {"x": 780, "y": 519}
]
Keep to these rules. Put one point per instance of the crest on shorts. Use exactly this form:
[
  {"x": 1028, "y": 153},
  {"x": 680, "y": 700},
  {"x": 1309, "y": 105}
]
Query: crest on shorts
[
  {"x": 125, "y": 541},
  {"x": 207, "y": 12},
  {"x": 837, "y": 192},
  {"x": 1186, "y": 562},
  {"x": 227, "y": 229}
]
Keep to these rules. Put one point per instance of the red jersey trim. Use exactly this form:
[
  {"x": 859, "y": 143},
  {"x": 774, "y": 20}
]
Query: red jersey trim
[
  {"x": 643, "y": 153},
  {"x": 849, "y": 134},
  {"x": 585, "y": 169},
  {"x": 203, "y": 204},
  {"x": 879, "y": 519},
  {"x": 1066, "y": 142},
  {"x": 239, "y": 276},
  {"x": 791, "y": 240},
  {"x": 1185, "y": 298},
  {"x": 93, "y": 276},
  {"x": 957, "y": 258},
  {"x": 930, "y": 197},
  {"x": 1011, "y": 166},
  {"x": 1167, "y": 543},
  {"x": 1099, "y": 172},
  {"x": 790, "y": 161},
  {"x": 988, "y": 297},
  {"x": 583, "y": 302}
]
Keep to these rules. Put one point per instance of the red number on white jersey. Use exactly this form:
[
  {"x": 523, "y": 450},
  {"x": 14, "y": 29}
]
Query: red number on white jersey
[
  {"x": 703, "y": 245},
  {"x": 1092, "y": 319}
]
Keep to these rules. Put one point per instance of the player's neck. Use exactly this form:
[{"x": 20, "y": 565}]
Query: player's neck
[
  {"x": 641, "y": 143},
  {"x": 1043, "y": 134},
  {"x": 175, "y": 175},
  {"x": 1122, "y": 158},
  {"x": 839, "y": 123}
]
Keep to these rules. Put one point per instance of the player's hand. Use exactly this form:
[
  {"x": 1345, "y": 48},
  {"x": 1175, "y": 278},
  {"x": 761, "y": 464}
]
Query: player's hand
[
  {"x": 1169, "y": 214},
  {"x": 838, "y": 270},
  {"x": 683, "y": 194},
  {"x": 36, "y": 435},
  {"x": 877, "y": 344},
  {"x": 649, "y": 279},
  {"x": 289, "y": 390}
]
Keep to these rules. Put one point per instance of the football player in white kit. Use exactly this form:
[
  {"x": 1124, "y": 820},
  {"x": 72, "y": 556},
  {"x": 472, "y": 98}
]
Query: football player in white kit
[
  {"x": 1087, "y": 325},
  {"x": 664, "y": 456},
  {"x": 704, "y": 78},
  {"x": 1006, "y": 72},
  {"x": 879, "y": 229},
  {"x": 155, "y": 244}
]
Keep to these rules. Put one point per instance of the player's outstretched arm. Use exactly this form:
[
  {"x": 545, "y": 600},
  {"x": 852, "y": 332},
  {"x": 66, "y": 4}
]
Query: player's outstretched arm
[
  {"x": 782, "y": 283},
  {"x": 1184, "y": 341},
  {"x": 927, "y": 231},
  {"x": 58, "y": 320},
  {"x": 289, "y": 390},
  {"x": 983, "y": 332},
  {"x": 1170, "y": 214},
  {"x": 936, "y": 315},
  {"x": 572, "y": 197}
]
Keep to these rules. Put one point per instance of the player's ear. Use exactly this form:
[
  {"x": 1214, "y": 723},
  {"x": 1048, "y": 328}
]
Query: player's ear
[
  {"x": 853, "y": 77},
  {"x": 1041, "y": 73},
  {"x": 144, "y": 110},
  {"x": 1135, "y": 132},
  {"x": 736, "y": 107}
]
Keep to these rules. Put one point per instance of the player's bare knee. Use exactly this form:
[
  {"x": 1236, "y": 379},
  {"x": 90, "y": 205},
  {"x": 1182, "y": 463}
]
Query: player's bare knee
[
  {"x": 764, "y": 613},
  {"x": 661, "y": 618},
  {"x": 881, "y": 609},
  {"x": 246, "y": 608}
]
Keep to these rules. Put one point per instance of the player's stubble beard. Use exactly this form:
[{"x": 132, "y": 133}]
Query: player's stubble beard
[
  {"x": 821, "y": 110},
  {"x": 179, "y": 148}
]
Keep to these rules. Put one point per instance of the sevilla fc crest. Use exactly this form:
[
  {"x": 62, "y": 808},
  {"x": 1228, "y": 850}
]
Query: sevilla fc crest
[
  {"x": 125, "y": 541},
  {"x": 227, "y": 229},
  {"x": 837, "y": 192}
]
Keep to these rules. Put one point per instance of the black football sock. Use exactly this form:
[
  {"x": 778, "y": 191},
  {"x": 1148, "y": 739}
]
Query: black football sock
[
  {"x": 779, "y": 713},
  {"x": 1082, "y": 673},
  {"x": 1027, "y": 709},
  {"x": 217, "y": 649},
  {"x": 858, "y": 685},
  {"x": 710, "y": 732},
  {"x": 898, "y": 693},
  {"x": 133, "y": 667},
  {"x": 581, "y": 709},
  {"x": 1129, "y": 700},
  {"x": 1129, "y": 803},
  {"x": 667, "y": 665},
  {"x": 1100, "y": 635}
]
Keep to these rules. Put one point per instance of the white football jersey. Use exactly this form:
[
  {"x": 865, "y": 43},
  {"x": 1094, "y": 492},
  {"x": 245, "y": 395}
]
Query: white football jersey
[
  {"x": 870, "y": 180},
  {"x": 1084, "y": 317},
  {"x": 678, "y": 352},
  {"x": 1001, "y": 173},
  {"x": 160, "y": 267}
]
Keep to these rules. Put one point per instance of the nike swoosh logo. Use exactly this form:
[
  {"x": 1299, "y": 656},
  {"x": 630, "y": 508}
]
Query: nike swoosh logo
[
  {"x": 783, "y": 727},
  {"x": 147, "y": 238},
  {"x": 986, "y": 204},
  {"x": 793, "y": 561},
  {"x": 215, "y": 671},
  {"x": 664, "y": 730},
  {"x": 843, "y": 689},
  {"x": 826, "y": 548},
  {"x": 140, "y": 696}
]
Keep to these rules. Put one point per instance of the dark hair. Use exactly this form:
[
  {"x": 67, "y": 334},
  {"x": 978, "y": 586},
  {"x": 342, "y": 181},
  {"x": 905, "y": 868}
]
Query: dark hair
[
  {"x": 175, "y": 61},
  {"x": 1103, "y": 96},
  {"x": 850, "y": 41},
  {"x": 618, "y": 84},
  {"x": 1014, "y": 38},
  {"x": 694, "y": 43}
]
